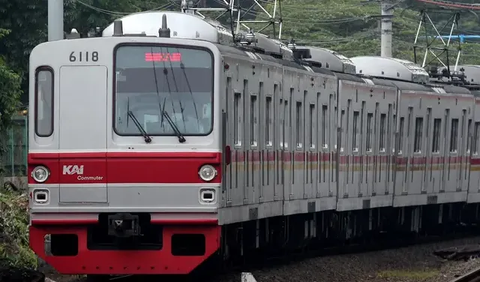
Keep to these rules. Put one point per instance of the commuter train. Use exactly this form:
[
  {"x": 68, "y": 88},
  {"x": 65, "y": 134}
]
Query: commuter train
[{"x": 167, "y": 142}]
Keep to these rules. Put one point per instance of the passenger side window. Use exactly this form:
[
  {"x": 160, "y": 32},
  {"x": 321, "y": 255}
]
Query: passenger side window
[
  {"x": 476, "y": 136},
  {"x": 238, "y": 119},
  {"x": 311, "y": 128},
  {"x": 298, "y": 125},
  {"x": 369, "y": 132},
  {"x": 437, "y": 125},
  {"x": 269, "y": 121},
  {"x": 454, "y": 135},
  {"x": 400, "y": 145},
  {"x": 383, "y": 119},
  {"x": 324, "y": 126},
  {"x": 417, "y": 145},
  {"x": 356, "y": 114}
]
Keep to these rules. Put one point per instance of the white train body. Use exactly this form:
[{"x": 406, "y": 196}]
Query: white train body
[{"x": 285, "y": 141}]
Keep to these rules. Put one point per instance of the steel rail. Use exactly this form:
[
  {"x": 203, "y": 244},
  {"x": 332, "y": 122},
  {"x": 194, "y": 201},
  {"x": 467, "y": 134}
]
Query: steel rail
[{"x": 472, "y": 276}]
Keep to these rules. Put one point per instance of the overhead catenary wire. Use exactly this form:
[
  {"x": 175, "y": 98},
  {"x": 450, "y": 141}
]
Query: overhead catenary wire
[
  {"x": 117, "y": 13},
  {"x": 328, "y": 39}
]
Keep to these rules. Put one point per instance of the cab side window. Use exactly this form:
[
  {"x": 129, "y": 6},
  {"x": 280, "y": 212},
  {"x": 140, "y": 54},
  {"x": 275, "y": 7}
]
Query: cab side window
[{"x": 44, "y": 91}]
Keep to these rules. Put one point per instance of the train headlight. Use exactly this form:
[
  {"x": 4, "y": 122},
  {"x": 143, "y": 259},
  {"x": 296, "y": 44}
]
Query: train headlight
[
  {"x": 40, "y": 174},
  {"x": 207, "y": 173}
]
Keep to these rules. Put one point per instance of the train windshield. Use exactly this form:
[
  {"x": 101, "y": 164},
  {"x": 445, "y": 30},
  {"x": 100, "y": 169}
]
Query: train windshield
[{"x": 157, "y": 82}]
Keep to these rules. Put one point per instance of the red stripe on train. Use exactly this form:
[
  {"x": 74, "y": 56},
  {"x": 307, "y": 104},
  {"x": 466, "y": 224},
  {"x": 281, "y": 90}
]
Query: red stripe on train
[
  {"x": 124, "y": 167},
  {"x": 270, "y": 156},
  {"x": 182, "y": 167}
]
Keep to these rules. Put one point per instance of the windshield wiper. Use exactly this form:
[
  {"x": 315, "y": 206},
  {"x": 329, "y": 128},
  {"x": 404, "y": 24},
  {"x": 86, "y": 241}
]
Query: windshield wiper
[
  {"x": 147, "y": 138},
  {"x": 181, "y": 139}
]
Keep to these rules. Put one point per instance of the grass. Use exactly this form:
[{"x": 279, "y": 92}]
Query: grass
[{"x": 409, "y": 274}]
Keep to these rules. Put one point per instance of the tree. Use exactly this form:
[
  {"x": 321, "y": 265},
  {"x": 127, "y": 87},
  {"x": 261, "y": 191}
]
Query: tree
[
  {"x": 10, "y": 91},
  {"x": 27, "y": 22}
]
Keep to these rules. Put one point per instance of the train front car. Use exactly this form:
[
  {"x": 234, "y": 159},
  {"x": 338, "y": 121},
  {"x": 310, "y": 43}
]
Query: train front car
[{"x": 125, "y": 151}]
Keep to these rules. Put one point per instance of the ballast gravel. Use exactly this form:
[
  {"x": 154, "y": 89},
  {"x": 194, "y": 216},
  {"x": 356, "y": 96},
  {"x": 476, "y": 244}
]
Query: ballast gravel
[{"x": 410, "y": 264}]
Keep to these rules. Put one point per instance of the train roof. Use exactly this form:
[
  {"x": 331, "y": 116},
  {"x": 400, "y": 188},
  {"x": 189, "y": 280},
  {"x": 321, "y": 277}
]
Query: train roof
[
  {"x": 189, "y": 26},
  {"x": 401, "y": 74},
  {"x": 471, "y": 72},
  {"x": 390, "y": 68}
]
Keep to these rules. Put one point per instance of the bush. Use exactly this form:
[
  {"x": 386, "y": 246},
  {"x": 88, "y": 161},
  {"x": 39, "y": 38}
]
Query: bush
[{"x": 14, "y": 245}]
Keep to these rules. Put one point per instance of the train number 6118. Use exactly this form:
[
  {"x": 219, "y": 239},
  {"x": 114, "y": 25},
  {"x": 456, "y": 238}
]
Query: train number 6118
[{"x": 83, "y": 56}]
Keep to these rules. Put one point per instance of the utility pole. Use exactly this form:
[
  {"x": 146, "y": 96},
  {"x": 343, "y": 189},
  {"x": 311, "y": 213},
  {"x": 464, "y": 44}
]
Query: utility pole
[
  {"x": 55, "y": 20},
  {"x": 386, "y": 28}
]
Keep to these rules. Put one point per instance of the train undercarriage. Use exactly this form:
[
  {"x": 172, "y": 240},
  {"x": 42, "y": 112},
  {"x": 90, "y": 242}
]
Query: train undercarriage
[
  {"x": 326, "y": 230},
  {"x": 121, "y": 244}
]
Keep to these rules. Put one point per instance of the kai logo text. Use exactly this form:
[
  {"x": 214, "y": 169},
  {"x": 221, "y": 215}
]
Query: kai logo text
[{"x": 73, "y": 169}]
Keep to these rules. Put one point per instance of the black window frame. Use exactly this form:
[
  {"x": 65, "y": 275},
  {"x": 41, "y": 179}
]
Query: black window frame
[
  {"x": 37, "y": 71},
  {"x": 161, "y": 45}
]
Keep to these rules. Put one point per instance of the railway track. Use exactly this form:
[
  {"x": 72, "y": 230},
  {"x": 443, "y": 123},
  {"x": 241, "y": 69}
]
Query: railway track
[
  {"x": 472, "y": 276},
  {"x": 256, "y": 262}
]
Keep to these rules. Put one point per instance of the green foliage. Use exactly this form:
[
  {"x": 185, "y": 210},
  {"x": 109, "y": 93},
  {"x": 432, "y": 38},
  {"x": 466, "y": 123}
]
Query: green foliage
[
  {"x": 89, "y": 14},
  {"x": 14, "y": 245},
  {"x": 27, "y": 22},
  {"x": 10, "y": 84},
  {"x": 352, "y": 27}
]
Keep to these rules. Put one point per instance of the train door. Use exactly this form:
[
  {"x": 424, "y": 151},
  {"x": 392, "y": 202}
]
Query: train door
[
  {"x": 289, "y": 132},
  {"x": 267, "y": 190},
  {"x": 417, "y": 151},
  {"x": 348, "y": 125},
  {"x": 344, "y": 125},
  {"x": 451, "y": 169},
  {"x": 228, "y": 121},
  {"x": 363, "y": 186},
  {"x": 426, "y": 187},
  {"x": 467, "y": 153},
  {"x": 332, "y": 140},
  {"x": 299, "y": 143},
  {"x": 474, "y": 177},
  {"x": 461, "y": 168},
  {"x": 309, "y": 147},
  {"x": 404, "y": 117},
  {"x": 354, "y": 146},
  {"x": 408, "y": 154},
  {"x": 389, "y": 145},
  {"x": 435, "y": 170},
  {"x": 281, "y": 113},
  {"x": 83, "y": 133},
  {"x": 378, "y": 149},
  {"x": 240, "y": 182},
  {"x": 369, "y": 151},
  {"x": 253, "y": 146}
]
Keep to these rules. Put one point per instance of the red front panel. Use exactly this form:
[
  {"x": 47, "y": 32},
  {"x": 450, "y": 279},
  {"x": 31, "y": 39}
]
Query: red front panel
[
  {"x": 125, "y": 262},
  {"x": 125, "y": 167}
]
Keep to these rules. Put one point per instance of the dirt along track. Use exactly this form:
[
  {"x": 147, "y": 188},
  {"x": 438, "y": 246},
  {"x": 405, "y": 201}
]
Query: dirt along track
[{"x": 408, "y": 264}]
